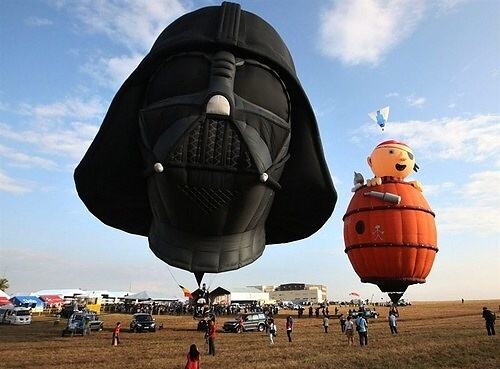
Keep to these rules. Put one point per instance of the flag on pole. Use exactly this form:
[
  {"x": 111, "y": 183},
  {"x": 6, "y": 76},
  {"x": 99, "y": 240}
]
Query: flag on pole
[{"x": 186, "y": 292}]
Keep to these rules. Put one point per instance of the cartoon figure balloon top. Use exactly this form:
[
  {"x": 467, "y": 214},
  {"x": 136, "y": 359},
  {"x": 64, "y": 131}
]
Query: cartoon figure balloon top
[
  {"x": 392, "y": 159},
  {"x": 389, "y": 229}
]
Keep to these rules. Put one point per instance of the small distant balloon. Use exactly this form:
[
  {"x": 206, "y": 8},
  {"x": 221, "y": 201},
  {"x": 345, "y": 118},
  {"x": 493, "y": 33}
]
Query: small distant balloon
[{"x": 380, "y": 116}]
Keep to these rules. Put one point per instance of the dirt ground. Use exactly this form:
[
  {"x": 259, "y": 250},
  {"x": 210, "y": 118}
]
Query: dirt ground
[{"x": 431, "y": 335}]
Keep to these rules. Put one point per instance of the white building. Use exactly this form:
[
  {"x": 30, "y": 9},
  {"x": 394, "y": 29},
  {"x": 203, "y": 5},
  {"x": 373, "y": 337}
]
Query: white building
[{"x": 296, "y": 292}]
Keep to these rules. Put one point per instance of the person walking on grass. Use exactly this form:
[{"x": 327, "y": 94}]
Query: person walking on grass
[
  {"x": 193, "y": 358},
  {"x": 349, "y": 331},
  {"x": 289, "y": 327},
  {"x": 362, "y": 328},
  {"x": 393, "y": 323},
  {"x": 326, "y": 323},
  {"x": 272, "y": 331},
  {"x": 116, "y": 334},
  {"x": 489, "y": 318}
]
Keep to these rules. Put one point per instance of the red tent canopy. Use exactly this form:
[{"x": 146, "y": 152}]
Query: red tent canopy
[
  {"x": 51, "y": 299},
  {"x": 4, "y": 301}
]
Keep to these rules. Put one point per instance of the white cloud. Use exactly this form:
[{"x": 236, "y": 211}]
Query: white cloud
[
  {"x": 417, "y": 101},
  {"x": 470, "y": 207},
  {"x": 37, "y": 22},
  {"x": 468, "y": 139},
  {"x": 112, "y": 72},
  {"x": 481, "y": 219},
  {"x": 438, "y": 189},
  {"x": 63, "y": 128},
  {"x": 71, "y": 141},
  {"x": 392, "y": 94},
  {"x": 363, "y": 31},
  {"x": 10, "y": 185},
  {"x": 22, "y": 160},
  {"x": 134, "y": 23},
  {"x": 69, "y": 108},
  {"x": 447, "y": 5}
]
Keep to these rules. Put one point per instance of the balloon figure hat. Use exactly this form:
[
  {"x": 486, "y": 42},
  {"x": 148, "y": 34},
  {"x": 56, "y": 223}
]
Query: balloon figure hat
[
  {"x": 389, "y": 228},
  {"x": 210, "y": 148}
]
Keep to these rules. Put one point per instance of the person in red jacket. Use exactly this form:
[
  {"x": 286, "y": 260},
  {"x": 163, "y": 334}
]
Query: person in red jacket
[
  {"x": 211, "y": 337},
  {"x": 193, "y": 358},
  {"x": 116, "y": 334}
]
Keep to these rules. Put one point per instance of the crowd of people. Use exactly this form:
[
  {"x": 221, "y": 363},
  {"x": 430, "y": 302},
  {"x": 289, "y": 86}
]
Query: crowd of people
[{"x": 348, "y": 325}]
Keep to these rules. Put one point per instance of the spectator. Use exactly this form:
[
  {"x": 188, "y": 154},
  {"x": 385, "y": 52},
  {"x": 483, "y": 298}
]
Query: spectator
[
  {"x": 362, "y": 328},
  {"x": 489, "y": 318},
  {"x": 342, "y": 323},
  {"x": 240, "y": 325},
  {"x": 193, "y": 358},
  {"x": 289, "y": 327},
  {"x": 349, "y": 331},
  {"x": 211, "y": 337},
  {"x": 86, "y": 325},
  {"x": 310, "y": 311},
  {"x": 272, "y": 331},
  {"x": 116, "y": 334},
  {"x": 326, "y": 323},
  {"x": 393, "y": 323}
]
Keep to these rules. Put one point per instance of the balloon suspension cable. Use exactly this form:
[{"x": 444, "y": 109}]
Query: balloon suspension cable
[{"x": 175, "y": 280}]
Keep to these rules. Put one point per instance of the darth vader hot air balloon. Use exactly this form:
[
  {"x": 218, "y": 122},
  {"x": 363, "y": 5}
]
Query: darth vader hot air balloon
[
  {"x": 389, "y": 228},
  {"x": 210, "y": 148}
]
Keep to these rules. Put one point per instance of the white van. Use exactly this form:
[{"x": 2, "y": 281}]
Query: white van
[{"x": 15, "y": 315}]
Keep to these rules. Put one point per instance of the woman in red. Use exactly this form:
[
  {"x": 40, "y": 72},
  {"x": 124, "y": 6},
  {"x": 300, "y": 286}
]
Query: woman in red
[
  {"x": 116, "y": 334},
  {"x": 193, "y": 358}
]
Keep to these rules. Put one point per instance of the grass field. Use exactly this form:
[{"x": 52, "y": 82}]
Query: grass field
[{"x": 432, "y": 335}]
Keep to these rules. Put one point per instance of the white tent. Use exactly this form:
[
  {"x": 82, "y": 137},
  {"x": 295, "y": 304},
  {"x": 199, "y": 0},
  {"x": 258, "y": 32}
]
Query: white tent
[
  {"x": 146, "y": 296},
  {"x": 3, "y": 294}
]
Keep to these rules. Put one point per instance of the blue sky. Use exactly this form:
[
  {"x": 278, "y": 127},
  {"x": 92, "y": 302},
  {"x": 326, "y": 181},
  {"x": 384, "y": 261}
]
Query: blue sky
[{"x": 436, "y": 63}]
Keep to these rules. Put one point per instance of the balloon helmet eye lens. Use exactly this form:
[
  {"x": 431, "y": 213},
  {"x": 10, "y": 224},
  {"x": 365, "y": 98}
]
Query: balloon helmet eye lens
[
  {"x": 410, "y": 155},
  {"x": 391, "y": 151}
]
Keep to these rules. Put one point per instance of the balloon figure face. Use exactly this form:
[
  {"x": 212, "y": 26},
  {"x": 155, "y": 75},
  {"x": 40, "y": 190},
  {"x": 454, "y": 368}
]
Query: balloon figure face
[{"x": 392, "y": 159}]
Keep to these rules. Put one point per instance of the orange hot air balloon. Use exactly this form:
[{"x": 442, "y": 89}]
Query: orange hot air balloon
[{"x": 390, "y": 234}]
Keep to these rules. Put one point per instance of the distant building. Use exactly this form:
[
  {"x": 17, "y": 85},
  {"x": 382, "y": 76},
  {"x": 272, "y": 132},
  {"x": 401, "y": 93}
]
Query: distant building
[{"x": 296, "y": 292}]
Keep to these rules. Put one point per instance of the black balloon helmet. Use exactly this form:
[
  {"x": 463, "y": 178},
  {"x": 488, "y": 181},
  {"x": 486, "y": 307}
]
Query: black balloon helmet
[{"x": 110, "y": 178}]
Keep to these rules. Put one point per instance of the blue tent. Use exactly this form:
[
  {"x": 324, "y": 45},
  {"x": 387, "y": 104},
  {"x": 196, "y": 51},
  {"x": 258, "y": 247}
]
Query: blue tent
[{"x": 28, "y": 301}]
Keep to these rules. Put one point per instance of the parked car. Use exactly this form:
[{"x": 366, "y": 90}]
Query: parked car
[
  {"x": 250, "y": 322},
  {"x": 366, "y": 312},
  {"x": 15, "y": 315},
  {"x": 142, "y": 322},
  {"x": 403, "y": 302},
  {"x": 76, "y": 323}
]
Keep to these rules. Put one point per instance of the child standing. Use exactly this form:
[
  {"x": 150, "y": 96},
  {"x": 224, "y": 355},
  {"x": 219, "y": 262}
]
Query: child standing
[
  {"x": 116, "y": 334},
  {"x": 193, "y": 358}
]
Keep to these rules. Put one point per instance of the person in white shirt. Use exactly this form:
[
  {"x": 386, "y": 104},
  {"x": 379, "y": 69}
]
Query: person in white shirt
[
  {"x": 349, "y": 331},
  {"x": 393, "y": 323},
  {"x": 272, "y": 331}
]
